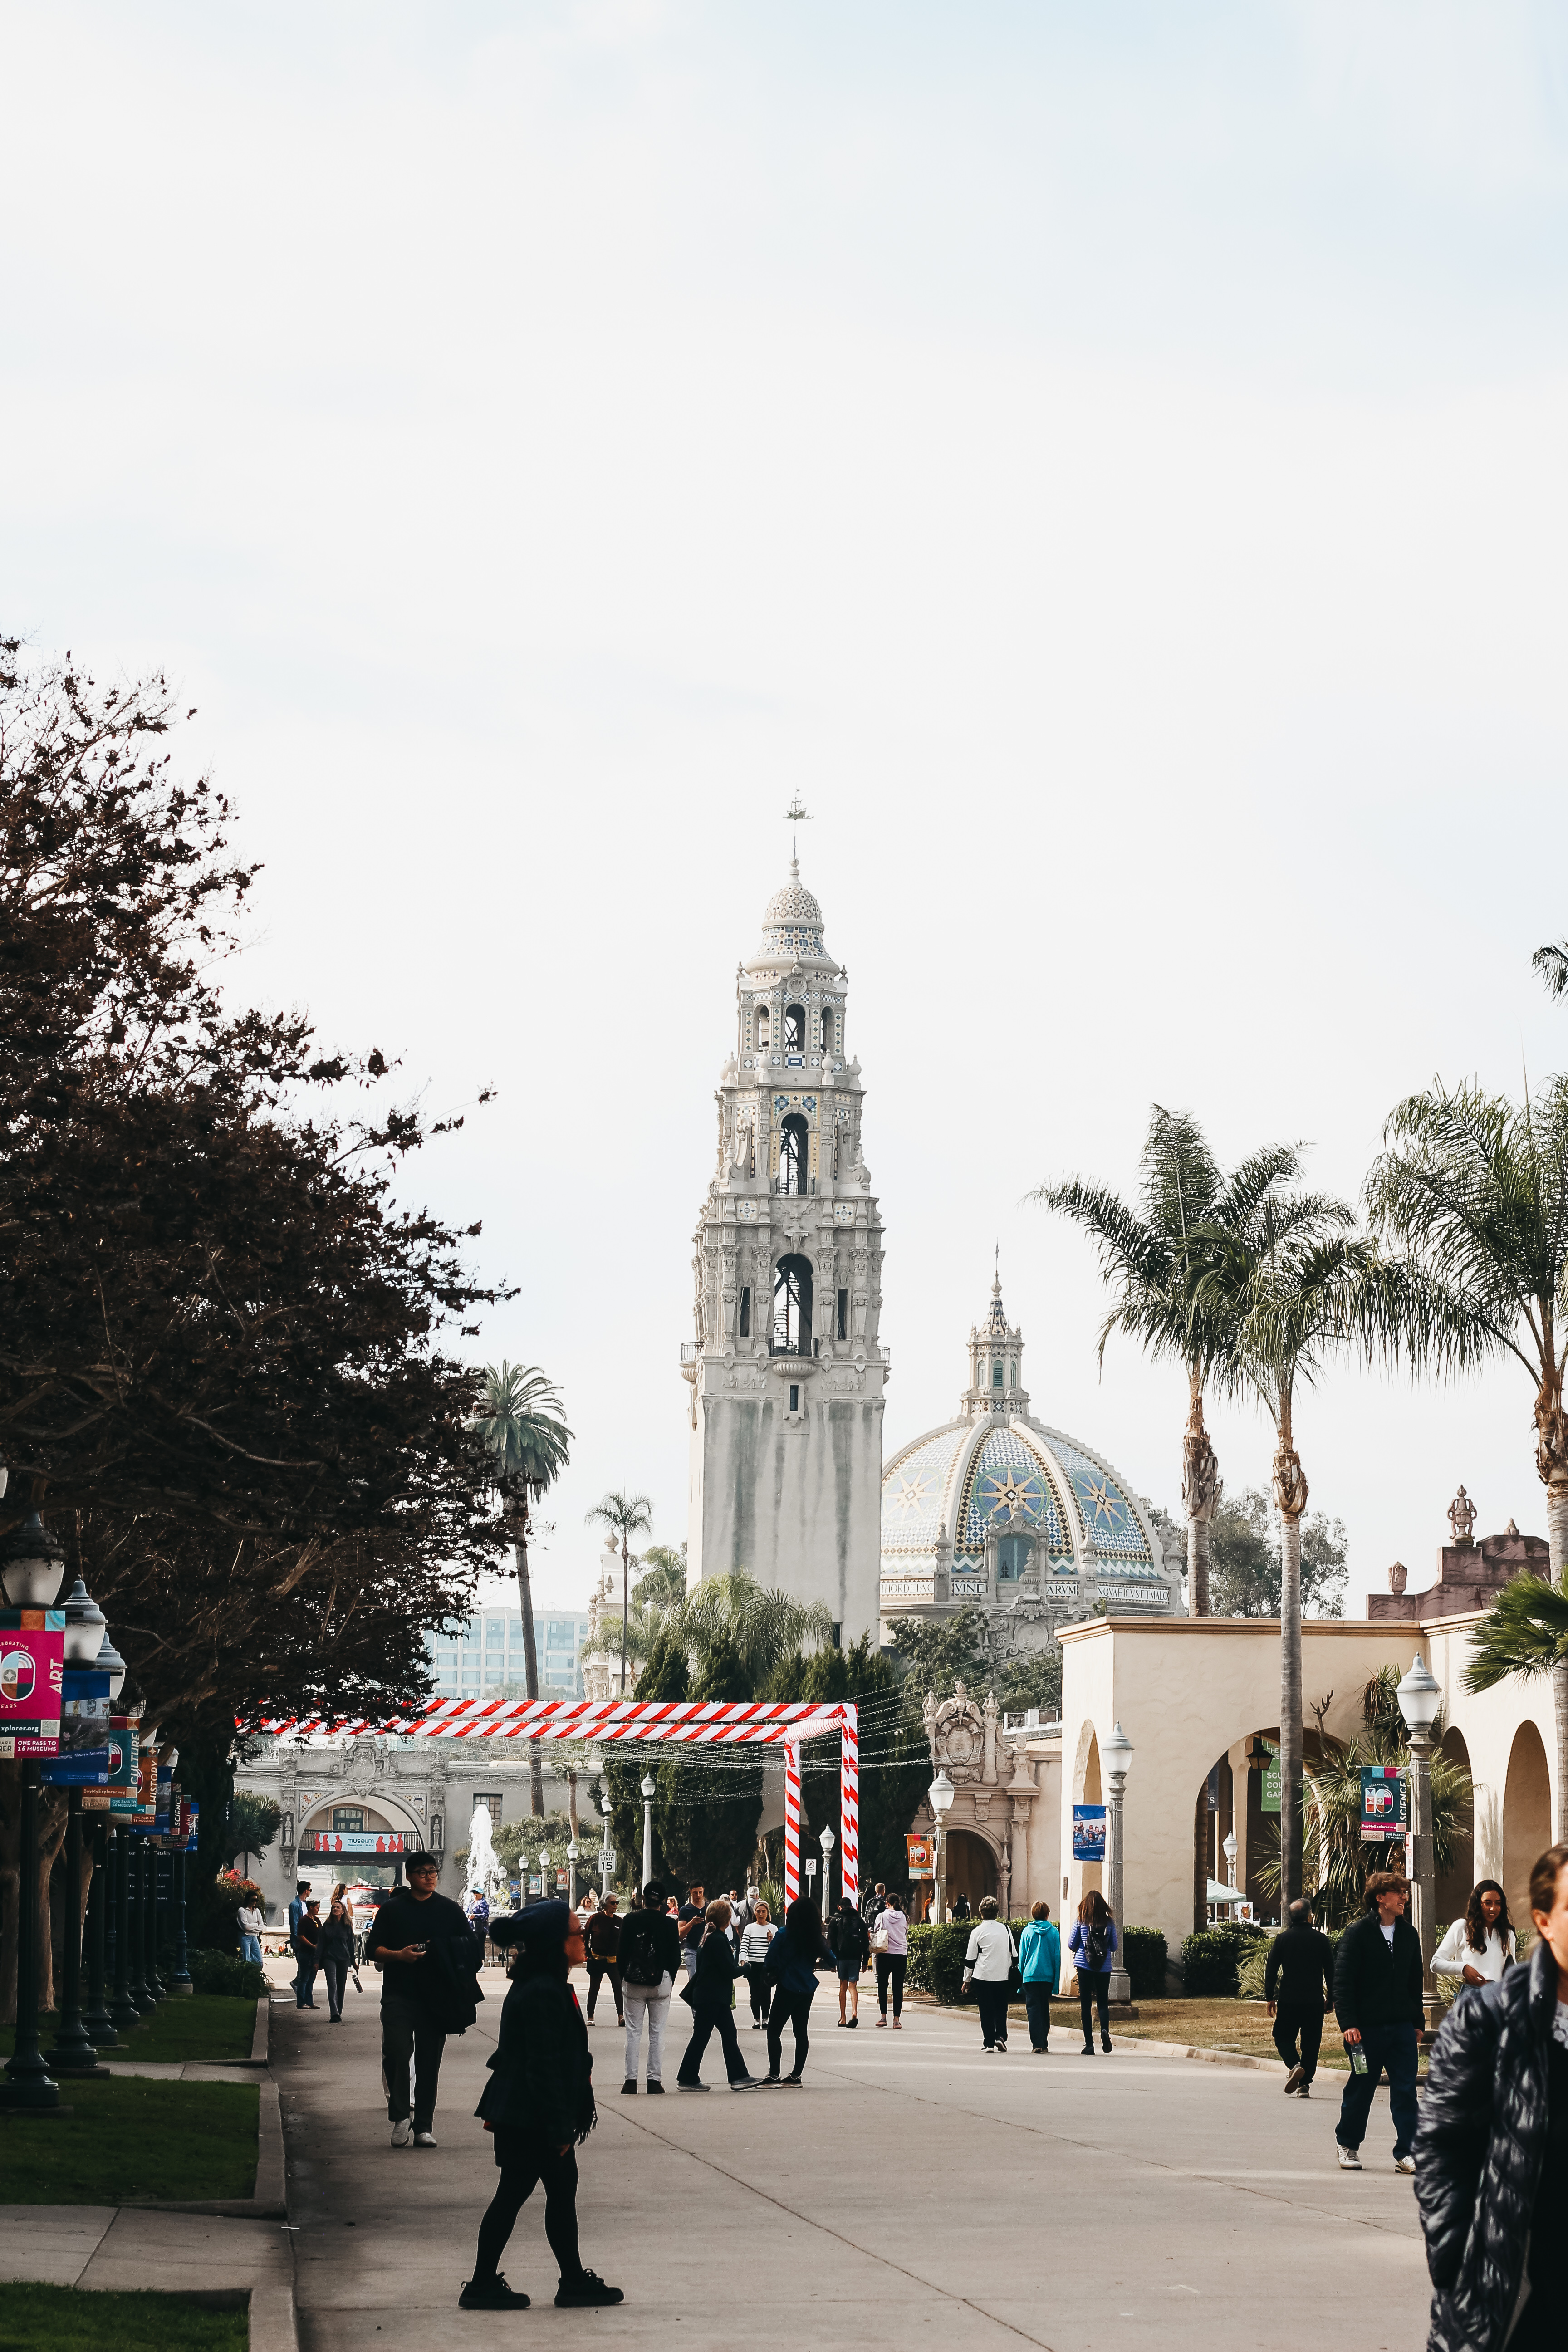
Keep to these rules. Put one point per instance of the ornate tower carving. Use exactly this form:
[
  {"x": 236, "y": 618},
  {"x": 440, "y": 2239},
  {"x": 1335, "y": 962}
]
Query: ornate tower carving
[{"x": 787, "y": 1370}]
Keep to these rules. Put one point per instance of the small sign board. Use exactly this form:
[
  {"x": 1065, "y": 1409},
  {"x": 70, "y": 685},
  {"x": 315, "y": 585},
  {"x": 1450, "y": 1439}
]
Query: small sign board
[
  {"x": 920, "y": 1857},
  {"x": 1089, "y": 1833},
  {"x": 1383, "y": 1817}
]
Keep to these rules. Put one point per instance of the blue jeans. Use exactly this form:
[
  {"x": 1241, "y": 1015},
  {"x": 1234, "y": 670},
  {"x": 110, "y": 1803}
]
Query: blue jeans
[
  {"x": 1391, "y": 2050},
  {"x": 250, "y": 1949}
]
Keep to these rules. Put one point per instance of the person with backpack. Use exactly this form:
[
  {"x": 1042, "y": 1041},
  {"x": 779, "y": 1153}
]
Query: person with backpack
[
  {"x": 650, "y": 1964},
  {"x": 851, "y": 1948},
  {"x": 890, "y": 1949},
  {"x": 793, "y": 1958},
  {"x": 1039, "y": 1966},
  {"x": 1091, "y": 1944},
  {"x": 988, "y": 1966}
]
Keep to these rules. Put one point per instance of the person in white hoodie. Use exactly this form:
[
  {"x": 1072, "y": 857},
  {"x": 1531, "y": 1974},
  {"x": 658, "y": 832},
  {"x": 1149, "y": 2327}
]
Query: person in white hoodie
[
  {"x": 1481, "y": 1946},
  {"x": 988, "y": 1964}
]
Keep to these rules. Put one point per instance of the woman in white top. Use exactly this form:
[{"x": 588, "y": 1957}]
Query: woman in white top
[
  {"x": 249, "y": 1919},
  {"x": 1481, "y": 1946},
  {"x": 755, "y": 1937},
  {"x": 988, "y": 1963}
]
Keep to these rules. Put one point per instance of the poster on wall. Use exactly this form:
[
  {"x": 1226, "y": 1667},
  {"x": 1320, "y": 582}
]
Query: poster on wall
[
  {"x": 1089, "y": 1833},
  {"x": 920, "y": 1857},
  {"x": 1382, "y": 1804}
]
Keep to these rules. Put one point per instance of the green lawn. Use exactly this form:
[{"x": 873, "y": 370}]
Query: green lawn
[
  {"x": 64, "y": 2318},
  {"x": 128, "y": 2142},
  {"x": 208, "y": 2025}
]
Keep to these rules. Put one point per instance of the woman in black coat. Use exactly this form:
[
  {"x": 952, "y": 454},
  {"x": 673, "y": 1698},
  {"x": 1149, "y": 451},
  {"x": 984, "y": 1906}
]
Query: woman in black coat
[
  {"x": 539, "y": 2106},
  {"x": 711, "y": 1994},
  {"x": 335, "y": 1949},
  {"x": 1491, "y": 2147}
]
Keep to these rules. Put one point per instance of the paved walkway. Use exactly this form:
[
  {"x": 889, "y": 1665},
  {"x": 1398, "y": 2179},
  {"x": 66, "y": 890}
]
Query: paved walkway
[{"x": 1085, "y": 2205}]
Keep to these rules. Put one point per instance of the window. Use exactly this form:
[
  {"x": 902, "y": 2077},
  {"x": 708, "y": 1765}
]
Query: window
[
  {"x": 793, "y": 1399},
  {"x": 746, "y": 1312},
  {"x": 995, "y": 1376},
  {"x": 495, "y": 1636},
  {"x": 491, "y": 1799},
  {"x": 844, "y": 1315},
  {"x": 826, "y": 1030},
  {"x": 1012, "y": 1376},
  {"x": 762, "y": 1028},
  {"x": 1012, "y": 1559},
  {"x": 348, "y": 1821},
  {"x": 792, "y": 1306},
  {"x": 795, "y": 1028},
  {"x": 793, "y": 1154}
]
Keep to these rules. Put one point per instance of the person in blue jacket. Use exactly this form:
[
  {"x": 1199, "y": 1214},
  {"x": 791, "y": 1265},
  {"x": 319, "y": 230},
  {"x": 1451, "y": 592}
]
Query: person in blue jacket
[{"x": 1039, "y": 1965}]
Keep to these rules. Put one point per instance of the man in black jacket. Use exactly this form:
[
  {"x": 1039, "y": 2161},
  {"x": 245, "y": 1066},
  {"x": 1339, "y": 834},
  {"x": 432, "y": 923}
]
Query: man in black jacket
[
  {"x": 414, "y": 1989},
  {"x": 650, "y": 1962},
  {"x": 1299, "y": 1986},
  {"x": 1377, "y": 1993}
]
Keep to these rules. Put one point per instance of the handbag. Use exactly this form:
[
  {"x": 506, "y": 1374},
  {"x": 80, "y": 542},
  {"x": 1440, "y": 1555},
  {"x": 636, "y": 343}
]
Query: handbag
[{"x": 879, "y": 1941}]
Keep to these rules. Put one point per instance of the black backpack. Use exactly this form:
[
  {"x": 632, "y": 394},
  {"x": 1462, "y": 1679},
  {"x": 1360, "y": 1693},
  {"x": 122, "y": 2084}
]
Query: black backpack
[
  {"x": 639, "y": 1963},
  {"x": 1095, "y": 1942}
]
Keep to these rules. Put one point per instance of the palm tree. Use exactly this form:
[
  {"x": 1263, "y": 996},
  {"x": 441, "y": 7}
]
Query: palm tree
[
  {"x": 1156, "y": 1257},
  {"x": 658, "y": 1594},
  {"x": 1475, "y": 1191},
  {"x": 1551, "y": 964},
  {"x": 759, "y": 1626},
  {"x": 520, "y": 1426},
  {"x": 626, "y": 1516},
  {"x": 1294, "y": 1281}
]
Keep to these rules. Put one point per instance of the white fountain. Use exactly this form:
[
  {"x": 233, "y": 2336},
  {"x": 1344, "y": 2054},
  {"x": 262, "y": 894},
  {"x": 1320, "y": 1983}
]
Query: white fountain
[{"x": 485, "y": 1871}]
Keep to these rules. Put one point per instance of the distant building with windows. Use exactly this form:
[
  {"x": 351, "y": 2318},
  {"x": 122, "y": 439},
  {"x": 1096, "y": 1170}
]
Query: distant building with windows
[{"x": 487, "y": 1651}]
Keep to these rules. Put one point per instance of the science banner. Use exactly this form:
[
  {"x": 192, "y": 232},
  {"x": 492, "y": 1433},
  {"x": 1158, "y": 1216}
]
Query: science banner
[{"x": 1382, "y": 1803}]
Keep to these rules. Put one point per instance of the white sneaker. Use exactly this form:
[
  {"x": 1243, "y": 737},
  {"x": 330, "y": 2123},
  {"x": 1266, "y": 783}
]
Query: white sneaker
[
  {"x": 1404, "y": 2164},
  {"x": 402, "y": 2132},
  {"x": 423, "y": 2139},
  {"x": 1349, "y": 2161}
]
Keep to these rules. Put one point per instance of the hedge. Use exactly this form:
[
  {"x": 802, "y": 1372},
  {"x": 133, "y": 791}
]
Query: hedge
[
  {"x": 222, "y": 1972},
  {"x": 1211, "y": 1959},
  {"x": 1145, "y": 1956},
  {"x": 936, "y": 1958}
]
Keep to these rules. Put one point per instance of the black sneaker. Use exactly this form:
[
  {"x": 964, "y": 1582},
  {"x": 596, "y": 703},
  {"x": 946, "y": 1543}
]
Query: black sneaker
[
  {"x": 493, "y": 2294},
  {"x": 629, "y": 2087},
  {"x": 788, "y": 2082},
  {"x": 586, "y": 2289},
  {"x": 693, "y": 2086},
  {"x": 656, "y": 2090}
]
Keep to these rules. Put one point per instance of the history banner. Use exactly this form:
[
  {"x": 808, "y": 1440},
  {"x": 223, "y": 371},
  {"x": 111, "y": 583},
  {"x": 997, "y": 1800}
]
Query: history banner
[
  {"x": 1089, "y": 1833},
  {"x": 32, "y": 1668}
]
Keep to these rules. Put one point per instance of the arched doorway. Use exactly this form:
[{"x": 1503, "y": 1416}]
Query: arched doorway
[
  {"x": 1452, "y": 1891},
  {"x": 356, "y": 1817},
  {"x": 971, "y": 1868},
  {"x": 1088, "y": 1875},
  {"x": 1526, "y": 1816}
]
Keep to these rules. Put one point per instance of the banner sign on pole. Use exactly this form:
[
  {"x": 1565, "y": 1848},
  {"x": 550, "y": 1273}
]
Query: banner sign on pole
[
  {"x": 82, "y": 1761},
  {"x": 124, "y": 1766},
  {"x": 353, "y": 1841},
  {"x": 1089, "y": 1833},
  {"x": 1382, "y": 1803},
  {"x": 1269, "y": 1794},
  {"x": 31, "y": 1670},
  {"x": 919, "y": 1854}
]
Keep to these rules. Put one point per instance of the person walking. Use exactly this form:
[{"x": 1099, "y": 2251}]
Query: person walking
[
  {"x": 1377, "y": 1997},
  {"x": 1299, "y": 1986},
  {"x": 413, "y": 1942},
  {"x": 1479, "y": 1947},
  {"x": 890, "y": 1941},
  {"x": 649, "y": 1958},
  {"x": 755, "y": 1937},
  {"x": 851, "y": 1948},
  {"x": 1491, "y": 2146},
  {"x": 1091, "y": 1944},
  {"x": 307, "y": 1943},
  {"x": 603, "y": 1942},
  {"x": 251, "y": 1925},
  {"x": 336, "y": 1948},
  {"x": 691, "y": 1919},
  {"x": 1039, "y": 1965},
  {"x": 711, "y": 1994},
  {"x": 988, "y": 1966},
  {"x": 296, "y": 1913},
  {"x": 958, "y": 1908},
  {"x": 538, "y": 2107},
  {"x": 794, "y": 1957}
]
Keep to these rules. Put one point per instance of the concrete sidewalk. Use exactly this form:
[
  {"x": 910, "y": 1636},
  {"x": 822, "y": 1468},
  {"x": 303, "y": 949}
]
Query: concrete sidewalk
[
  {"x": 105, "y": 2246},
  {"x": 1101, "y": 2204}
]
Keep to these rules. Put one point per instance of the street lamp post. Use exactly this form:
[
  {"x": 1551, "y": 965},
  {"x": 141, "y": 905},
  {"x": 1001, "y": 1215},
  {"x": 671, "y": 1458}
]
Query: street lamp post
[
  {"x": 74, "y": 2051},
  {"x": 828, "y": 1841},
  {"x": 545, "y": 1889},
  {"x": 98, "y": 2016},
  {"x": 572, "y": 1853},
  {"x": 606, "y": 1859},
  {"x": 1420, "y": 1696},
  {"x": 1228, "y": 1849},
  {"x": 649, "y": 1786},
  {"x": 32, "y": 1566},
  {"x": 125, "y": 2011},
  {"x": 940, "y": 1793},
  {"x": 1116, "y": 1754}
]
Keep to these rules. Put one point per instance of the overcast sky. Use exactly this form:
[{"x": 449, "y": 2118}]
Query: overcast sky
[{"x": 1110, "y": 460}]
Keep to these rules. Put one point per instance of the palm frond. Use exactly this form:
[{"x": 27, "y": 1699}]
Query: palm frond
[
  {"x": 1551, "y": 964},
  {"x": 1525, "y": 1632},
  {"x": 519, "y": 1423}
]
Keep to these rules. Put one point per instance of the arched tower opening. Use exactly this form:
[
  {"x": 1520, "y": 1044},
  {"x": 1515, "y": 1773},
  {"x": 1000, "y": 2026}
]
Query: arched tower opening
[
  {"x": 792, "y": 1306},
  {"x": 794, "y": 1155}
]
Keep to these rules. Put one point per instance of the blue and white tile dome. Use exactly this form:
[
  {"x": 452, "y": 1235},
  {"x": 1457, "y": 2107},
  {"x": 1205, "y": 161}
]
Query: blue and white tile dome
[{"x": 955, "y": 1486}]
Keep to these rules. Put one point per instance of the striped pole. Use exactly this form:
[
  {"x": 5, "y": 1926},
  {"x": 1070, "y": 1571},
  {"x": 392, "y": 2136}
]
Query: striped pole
[
  {"x": 791, "y": 1820},
  {"x": 849, "y": 1804}
]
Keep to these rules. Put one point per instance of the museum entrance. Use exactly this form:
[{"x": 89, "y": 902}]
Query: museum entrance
[{"x": 971, "y": 1868}]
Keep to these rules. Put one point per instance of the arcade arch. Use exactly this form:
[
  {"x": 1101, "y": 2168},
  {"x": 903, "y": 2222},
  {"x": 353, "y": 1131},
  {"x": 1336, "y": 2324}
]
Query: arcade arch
[
  {"x": 1452, "y": 1890},
  {"x": 1526, "y": 1816}
]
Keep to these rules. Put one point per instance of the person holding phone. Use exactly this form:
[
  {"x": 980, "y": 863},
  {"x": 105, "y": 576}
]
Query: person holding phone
[{"x": 399, "y": 1943}]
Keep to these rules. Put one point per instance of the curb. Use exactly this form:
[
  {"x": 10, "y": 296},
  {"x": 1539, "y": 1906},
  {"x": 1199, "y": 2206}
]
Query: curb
[
  {"x": 267, "y": 2201},
  {"x": 1190, "y": 2050}
]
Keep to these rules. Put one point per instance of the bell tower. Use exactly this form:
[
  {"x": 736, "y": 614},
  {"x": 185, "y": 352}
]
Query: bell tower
[{"x": 787, "y": 1370}]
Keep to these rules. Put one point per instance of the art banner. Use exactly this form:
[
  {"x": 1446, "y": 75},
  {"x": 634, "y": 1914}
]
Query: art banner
[
  {"x": 31, "y": 1669},
  {"x": 1382, "y": 1803},
  {"x": 1089, "y": 1833}
]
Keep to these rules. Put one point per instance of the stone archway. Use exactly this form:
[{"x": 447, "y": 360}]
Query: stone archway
[
  {"x": 971, "y": 1868},
  {"x": 379, "y": 1810},
  {"x": 1452, "y": 1891},
  {"x": 1526, "y": 1816}
]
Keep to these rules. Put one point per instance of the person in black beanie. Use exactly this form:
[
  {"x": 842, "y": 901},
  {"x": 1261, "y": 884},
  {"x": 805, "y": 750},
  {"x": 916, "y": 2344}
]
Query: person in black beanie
[{"x": 538, "y": 2105}]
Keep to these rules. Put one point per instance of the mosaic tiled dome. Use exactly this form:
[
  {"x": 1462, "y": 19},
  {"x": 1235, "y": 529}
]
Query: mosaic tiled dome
[
  {"x": 998, "y": 1471},
  {"x": 793, "y": 923}
]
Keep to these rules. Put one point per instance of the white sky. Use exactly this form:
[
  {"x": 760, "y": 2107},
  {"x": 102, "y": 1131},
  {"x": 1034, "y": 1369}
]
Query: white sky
[{"x": 1111, "y": 460}]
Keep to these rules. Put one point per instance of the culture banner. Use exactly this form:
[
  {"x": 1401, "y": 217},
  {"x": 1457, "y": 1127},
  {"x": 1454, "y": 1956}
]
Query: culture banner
[
  {"x": 1089, "y": 1833},
  {"x": 125, "y": 1766},
  {"x": 920, "y": 1857},
  {"x": 31, "y": 1670},
  {"x": 1382, "y": 1803}
]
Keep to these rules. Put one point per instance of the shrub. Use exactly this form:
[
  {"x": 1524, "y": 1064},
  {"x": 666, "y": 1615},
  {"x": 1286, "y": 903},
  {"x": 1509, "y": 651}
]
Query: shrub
[
  {"x": 1254, "y": 1961},
  {"x": 1144, "y": 1954},
  {"x": 936, "y": 1958},
  {"x": 1211, "y": 1959},
  {"x": 222, "y": 1972}
]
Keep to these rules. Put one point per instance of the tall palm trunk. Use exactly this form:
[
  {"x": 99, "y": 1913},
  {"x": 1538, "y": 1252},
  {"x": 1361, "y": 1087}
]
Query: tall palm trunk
[
  {"x": 626, "y": 1606},
  {"x": 1552, "y": 1461},
  {"x": 530, "y": 1653},
  {"x": 1290, "y": 1494},
  {"x": 1200, "y": 1487}
]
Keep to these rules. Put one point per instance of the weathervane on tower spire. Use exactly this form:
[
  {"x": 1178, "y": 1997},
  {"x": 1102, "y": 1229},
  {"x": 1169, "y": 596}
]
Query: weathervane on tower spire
[{"x": 795, "y": 817}]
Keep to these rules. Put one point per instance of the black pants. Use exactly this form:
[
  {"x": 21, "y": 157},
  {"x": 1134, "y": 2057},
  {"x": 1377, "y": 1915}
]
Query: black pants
[
  {"x": 1291, "y": 2020},
  {"x": 762, "y": 1990},
  {"x": 336, "y": 1974},
  {"x": 790, "y": 2009},
  {"x": 991, "y": 2001},
  {"x": 890, "y": 1966},
  {"x": 705, "y": 2023},
  {"x": 523, "y": 2164},
  {"x": 1037, "y": 2002},
  {"x": 305, "y": 1980},
  {"x": 1094, "y": 1985},
  {"x": 597, "y": 1971},
  {"x": 407, "y": 2033},
  {"x": 1390, "y": 2047}
]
